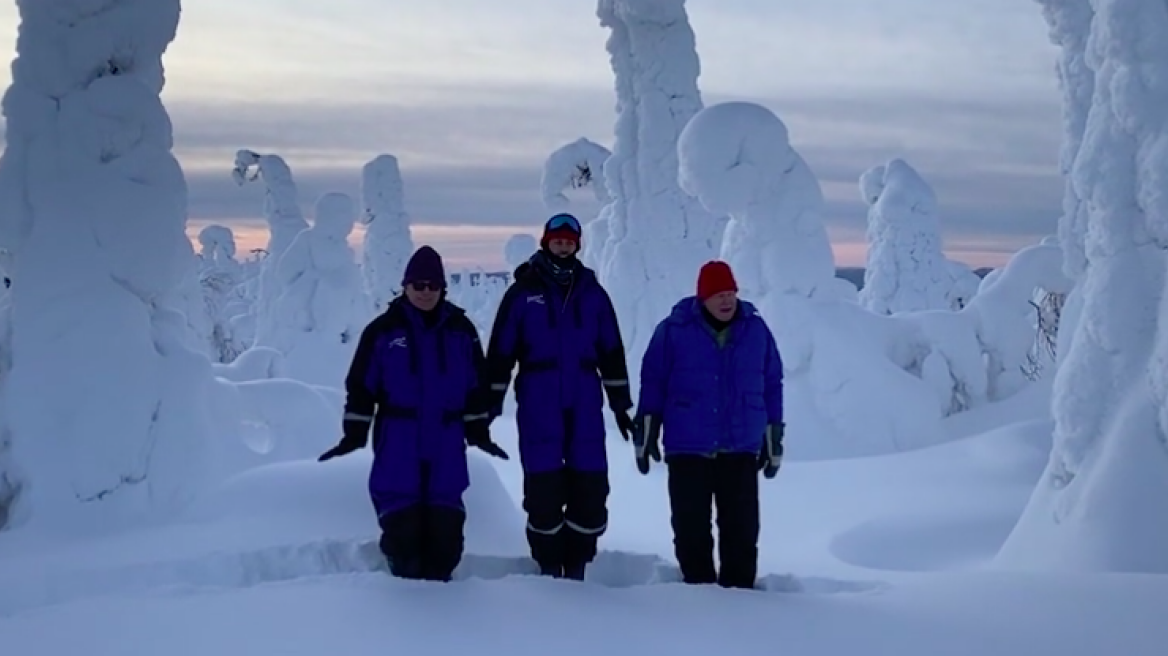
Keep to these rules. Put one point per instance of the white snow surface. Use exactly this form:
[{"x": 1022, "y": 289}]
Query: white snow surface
[
  {"x": 323, "y": 306},
  {"x": 388, "y": 243},
  {"x": 656, "y": 235},
  {"x": 906, "y": 268},
  {"x": 575, "y": 165},
  {"x": 893, "y": 554},
  {"x": 94, "y": 208}
]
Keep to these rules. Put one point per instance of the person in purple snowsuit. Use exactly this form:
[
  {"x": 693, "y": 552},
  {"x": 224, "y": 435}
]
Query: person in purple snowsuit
[
  {"x": 712, "y": 380},
  {"x": 558, "y": 324},
  {"x": 418, "y": 377}
]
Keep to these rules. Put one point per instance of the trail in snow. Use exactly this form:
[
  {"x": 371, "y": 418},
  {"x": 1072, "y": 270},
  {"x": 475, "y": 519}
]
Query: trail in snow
[{"x": 247, "y": 569}]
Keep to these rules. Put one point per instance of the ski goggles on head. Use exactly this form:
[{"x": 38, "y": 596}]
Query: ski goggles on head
[{"x": 564, "y": 221}]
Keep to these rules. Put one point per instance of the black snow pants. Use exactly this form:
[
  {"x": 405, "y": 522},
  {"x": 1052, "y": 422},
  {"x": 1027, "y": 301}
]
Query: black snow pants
[
  {"x": 423, "y": 541},
  {"x": 567, "y": 512},
  {"x": 729, "y": 482}
]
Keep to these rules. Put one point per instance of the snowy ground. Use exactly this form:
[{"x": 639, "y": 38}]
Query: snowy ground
[{"x": 887, "y": 555}]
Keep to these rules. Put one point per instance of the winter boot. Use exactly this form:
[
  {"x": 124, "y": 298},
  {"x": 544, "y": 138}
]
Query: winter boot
[
  {"x": 554, "y": 571},
  {"x": 575, "y": 572}
]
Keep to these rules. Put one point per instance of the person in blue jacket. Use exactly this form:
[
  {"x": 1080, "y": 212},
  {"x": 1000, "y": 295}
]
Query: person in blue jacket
[
  {"x": 558, "y": 324},
  {"x": 712, "y": 382},
  {"x": 418, "y": 377}
]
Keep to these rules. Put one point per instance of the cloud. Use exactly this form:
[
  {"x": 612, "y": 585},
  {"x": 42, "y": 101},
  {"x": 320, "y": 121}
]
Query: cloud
[{"x": 472, "y": 95}]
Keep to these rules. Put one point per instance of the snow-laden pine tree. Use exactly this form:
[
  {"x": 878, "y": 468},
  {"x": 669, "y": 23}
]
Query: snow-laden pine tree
[
  {"x": 906, "y": 269},
  {"x": 1100, "y": 505},
  {"x": 285, "y": 221},
  {"x": 388, "y": 243},
  {"x": 575, "y": 165},
  {"x": 106, "y": 407},
  {"x": 658, "y": 235}
]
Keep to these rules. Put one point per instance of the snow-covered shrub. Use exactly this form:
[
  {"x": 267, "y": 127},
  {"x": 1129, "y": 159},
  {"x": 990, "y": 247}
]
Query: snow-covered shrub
[
  {"x": 388, "y": 243},
  {"x": 906, "y": 269},
  {"x": 256, "y": 363},
  {"x": 323, "y": 308},
  {"x": 93, "y": 204},
  {"x": 518, "y": 249},
  {"x": 1004, "y": 314},
  {"x": 657, "y": 236},
  {"x": 575, "y": 165},
  {"x": 217, "y": 244},
  {"x": 965, "y": 284}
]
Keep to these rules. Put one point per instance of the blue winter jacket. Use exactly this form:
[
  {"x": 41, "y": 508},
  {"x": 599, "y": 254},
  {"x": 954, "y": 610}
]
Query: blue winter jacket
[
  {"x": 567, "y": 344},
  {"x": 422, "y": 385},
  {"x": 712, "y": 398}
]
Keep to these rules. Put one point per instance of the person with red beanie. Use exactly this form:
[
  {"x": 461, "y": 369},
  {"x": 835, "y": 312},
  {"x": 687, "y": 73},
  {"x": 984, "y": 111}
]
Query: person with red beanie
[
  {"x": 559, "y": 325},
  {"x": 712, "y": 381}
]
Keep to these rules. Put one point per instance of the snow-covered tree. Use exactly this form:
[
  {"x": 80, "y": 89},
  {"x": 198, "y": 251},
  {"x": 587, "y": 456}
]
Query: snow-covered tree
[
  {"x": 736, "y": 157},
  {"x": 388, "y": 244},
  {"x": 576, "y": 165},
  {"x": 518, "y": 249},
  {"x": 906, "y": 269},
  {"x": 1100, "y": 503},
  {"x": 285, "y": 221},
  {"x": 1070, "y": 27},
  {"x": 658, "y": 236},
  {"x": 324, "y": 306},
  {"x": 217, "y": 246},
  {"x": 104, "y": 402}
]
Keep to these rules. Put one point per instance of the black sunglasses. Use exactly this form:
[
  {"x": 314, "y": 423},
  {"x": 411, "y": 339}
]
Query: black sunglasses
[{"x": 426, "y": 286}]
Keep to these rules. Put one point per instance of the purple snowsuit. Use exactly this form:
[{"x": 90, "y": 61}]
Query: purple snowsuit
[
  {"x": 565, "y": 341},
  {"x": 711, "y": 398},
  {"x": 421, "y": 384}
]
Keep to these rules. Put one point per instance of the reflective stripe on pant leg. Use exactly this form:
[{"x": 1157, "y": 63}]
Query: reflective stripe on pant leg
[
  {"x": 543, "y": 500},
  {"x": 586, "y": 515}
]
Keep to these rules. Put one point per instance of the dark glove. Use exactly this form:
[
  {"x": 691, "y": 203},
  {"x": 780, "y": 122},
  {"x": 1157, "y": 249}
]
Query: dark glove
[
  {"x": 478, "y": 435},
  {"x": 624, "y": 423},
  {"x": 770, "y": 457},
  {"x": 646, "y": 433},
  {"x": 356, "y": 436}
]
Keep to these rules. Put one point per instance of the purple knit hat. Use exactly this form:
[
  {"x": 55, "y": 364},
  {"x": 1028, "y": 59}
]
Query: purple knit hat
[{"x": 425, "y": 266}]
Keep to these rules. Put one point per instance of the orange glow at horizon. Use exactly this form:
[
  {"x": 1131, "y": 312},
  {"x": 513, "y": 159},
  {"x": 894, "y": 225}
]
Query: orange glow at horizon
[{"x": 470, "y": 247}]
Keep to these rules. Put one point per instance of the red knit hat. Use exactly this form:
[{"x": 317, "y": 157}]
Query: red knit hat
[{"x": 715, "y": 278}]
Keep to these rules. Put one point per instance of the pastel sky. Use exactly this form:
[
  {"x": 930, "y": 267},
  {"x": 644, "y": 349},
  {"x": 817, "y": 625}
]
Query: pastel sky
[{"x": 472, "y": 95}]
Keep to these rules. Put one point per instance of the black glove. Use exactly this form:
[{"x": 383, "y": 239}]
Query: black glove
[
  {"x": 356, "y": 436},
  {"x": 624, "y": 423},
  {"x": 770, "y": 457},
  {"x": 646, "y": 432},
  {"x": 478, "y": 435}
]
